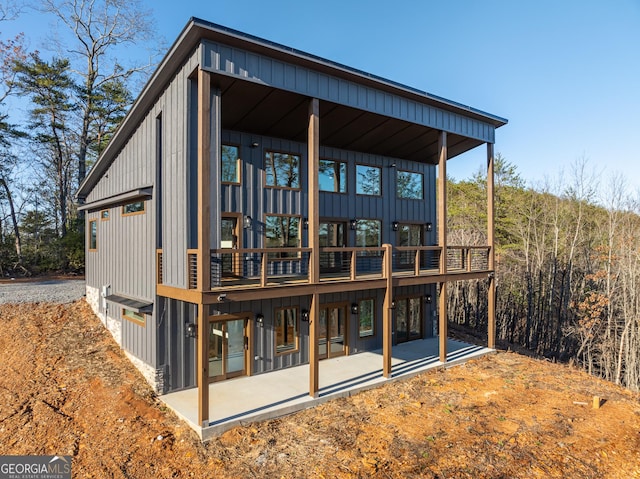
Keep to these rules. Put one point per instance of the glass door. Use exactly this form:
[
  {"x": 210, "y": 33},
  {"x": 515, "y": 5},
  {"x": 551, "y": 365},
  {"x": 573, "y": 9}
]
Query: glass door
[
  {"x": 331, "y": 234},
  {"x": 229, "y": 240},
  {"x": 332, "y": 332},
  {"x": 409, "y": 235},
  {"x": 227, "y": 349},
  {"x": 408, "y": 319}
]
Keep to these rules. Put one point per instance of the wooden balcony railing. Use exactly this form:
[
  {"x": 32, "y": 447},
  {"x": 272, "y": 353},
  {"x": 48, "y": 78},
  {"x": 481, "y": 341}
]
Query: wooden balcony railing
[{"x": 255, "y": 267}]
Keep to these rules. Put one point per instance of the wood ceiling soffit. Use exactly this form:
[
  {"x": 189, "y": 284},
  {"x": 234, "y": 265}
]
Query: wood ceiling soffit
[
  {"x": 334, "y": 121},
  {"x": 372, "y": 132},
  {"x": 259, "y": 99},
  {"x": 290, "y": 113}
]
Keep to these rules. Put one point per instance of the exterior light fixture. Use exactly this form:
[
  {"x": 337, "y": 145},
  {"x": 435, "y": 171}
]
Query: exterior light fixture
[
  {"x": 394, "y": 226},
  {"x": 354, "y": 308},
  {"x": 191, "y": 330},
  {"x": 429, "y": 226},
  {"x": 304, "y": 315},
  {"x": 393, "y": 305},
  {"x": 247, "y": 221},
  {"x": 428, "y": 298},
  {"x": 305, "y": 223},
  {"x": 255, "y": 144},
  {"x": 353, "y": 224},
  {"x": 259, "y": 318}
]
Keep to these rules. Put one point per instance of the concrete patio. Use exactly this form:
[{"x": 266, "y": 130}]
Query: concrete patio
[{"x": 257, "y": 398}]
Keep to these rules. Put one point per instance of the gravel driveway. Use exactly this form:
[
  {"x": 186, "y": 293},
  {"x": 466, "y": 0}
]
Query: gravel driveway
[{"x": 47, "y": 291}]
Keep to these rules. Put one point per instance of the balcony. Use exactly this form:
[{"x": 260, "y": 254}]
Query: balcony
[{"x": 252, "y": 268}]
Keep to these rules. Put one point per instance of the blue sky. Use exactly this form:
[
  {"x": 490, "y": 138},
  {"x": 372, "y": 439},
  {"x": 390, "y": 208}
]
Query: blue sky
[{"x": 566, "y": 74}]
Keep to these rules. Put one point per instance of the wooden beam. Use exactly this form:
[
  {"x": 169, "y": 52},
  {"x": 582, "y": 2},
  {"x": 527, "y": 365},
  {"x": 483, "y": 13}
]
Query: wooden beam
[
  {"x": 204, "y": 171},
  {"x": 203, "y": 235},
  {"x": 442, "y": 242},
  {"x": 387, "y": 311},
  {"x": 491, "y": 300},
  {"x": 314, "y": 373},
  {"x": 313, "y": 165},
  {"x": 203, "y": 366}
]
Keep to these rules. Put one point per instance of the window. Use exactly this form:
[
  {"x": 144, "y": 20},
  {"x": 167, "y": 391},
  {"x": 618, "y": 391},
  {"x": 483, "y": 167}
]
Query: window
[
  {"x": 409, "y": 185},
  {"x": 286, "y": 326},
  {"x": 368, "y": 180},
  {"x": 366, "y": 315},
  {"x": 368, "y": 233},
  {"x": 282, "y": 170},
  {"x": 230, "y": 164},
  {"x": 93, "y": 235},
  {"x": 134, "y": 317},
  {"x": 282, "y": 231},
  {"x": 332, "y": 176},
  {"x": 137, "y": 207},
  {"x": 408, "y": 319},
  {"x": 104, "y": 215}
]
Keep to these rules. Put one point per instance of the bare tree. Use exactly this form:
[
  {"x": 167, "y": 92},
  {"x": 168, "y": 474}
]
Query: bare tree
[{"x": 100, "y": 28}]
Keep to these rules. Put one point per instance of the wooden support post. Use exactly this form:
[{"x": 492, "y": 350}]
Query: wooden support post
[
  {"x": 491, "y": 291},
  {"x": 264, "y": 268},
  {"x": 204, "y": 170},
  {"x": 442, "y": 322},
  {"x": 442, "y": 242},
  {"x": 203, "y": 235},
  {"x": 314, "y": 364},
  {"x": 313, "y": 163},
  {"x": 203, "y": 366},
  {"x": 354, "y": 265},
  {"x": 387, "y": 311}
]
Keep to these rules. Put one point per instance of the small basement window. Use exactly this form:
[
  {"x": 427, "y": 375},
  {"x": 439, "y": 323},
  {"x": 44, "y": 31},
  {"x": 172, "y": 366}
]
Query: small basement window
[
  {"x": 130, "y": 315},
  {"x": 134, "y": 208}
]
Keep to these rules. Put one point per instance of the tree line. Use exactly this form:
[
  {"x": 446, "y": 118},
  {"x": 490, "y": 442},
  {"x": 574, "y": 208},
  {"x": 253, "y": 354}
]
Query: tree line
[
  {"x": 75, "y": 94},
  {"x": 568, "y": 267}
]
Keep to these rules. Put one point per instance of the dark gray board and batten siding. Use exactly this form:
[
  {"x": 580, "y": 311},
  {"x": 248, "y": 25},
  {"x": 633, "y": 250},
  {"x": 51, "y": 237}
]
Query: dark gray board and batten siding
[{"x": 258, "y": 68}]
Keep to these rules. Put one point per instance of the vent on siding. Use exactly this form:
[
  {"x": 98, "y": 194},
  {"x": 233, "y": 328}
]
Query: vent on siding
[
  {"x": 192, "y": 262},
  {"x": 159, "y": 266}
]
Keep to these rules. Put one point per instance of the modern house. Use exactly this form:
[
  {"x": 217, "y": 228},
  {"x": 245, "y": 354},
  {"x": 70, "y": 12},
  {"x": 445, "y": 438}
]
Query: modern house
[{"x": 261, "y": 208}]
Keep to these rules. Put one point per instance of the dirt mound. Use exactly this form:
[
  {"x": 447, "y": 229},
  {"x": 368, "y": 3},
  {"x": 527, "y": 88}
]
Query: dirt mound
[{"x": 66, "y": 388}]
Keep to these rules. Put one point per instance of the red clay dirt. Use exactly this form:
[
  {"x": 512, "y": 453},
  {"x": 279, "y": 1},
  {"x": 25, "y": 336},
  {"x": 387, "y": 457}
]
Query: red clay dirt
[{"x": 67, "y": 388}]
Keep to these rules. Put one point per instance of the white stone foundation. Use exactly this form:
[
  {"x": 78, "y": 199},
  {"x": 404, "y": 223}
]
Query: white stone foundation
[{"x": 153, "y": 376}]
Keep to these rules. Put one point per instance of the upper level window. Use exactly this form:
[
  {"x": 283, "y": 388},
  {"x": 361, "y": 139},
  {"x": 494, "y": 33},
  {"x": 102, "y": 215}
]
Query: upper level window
[
  {"x": 93, "y": 235},
  {"x": 368, "y": 180},
  {"x": 136, "y": 207},
  {"x": 333, "y": 176},
  {"x": 282, "y": 170},
  {"x": 230, "y": 164},
  {"x": 368, "y": 233},
  {"x": 410, "y": 185},
  {"x": 282, "y": 231}
]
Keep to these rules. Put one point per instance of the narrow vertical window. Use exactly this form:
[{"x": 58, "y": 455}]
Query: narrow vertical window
[
  {"x": 93, "y": 235},
  {"x": 230, "y": 164}
]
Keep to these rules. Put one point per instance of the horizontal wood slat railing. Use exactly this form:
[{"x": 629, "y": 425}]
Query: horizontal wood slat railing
[{"x": 260, "y": 267}]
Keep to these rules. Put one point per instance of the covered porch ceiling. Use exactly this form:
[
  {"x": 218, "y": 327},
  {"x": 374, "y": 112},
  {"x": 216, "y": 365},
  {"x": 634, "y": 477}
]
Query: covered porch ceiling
[{"x": 254, "y": 108}]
